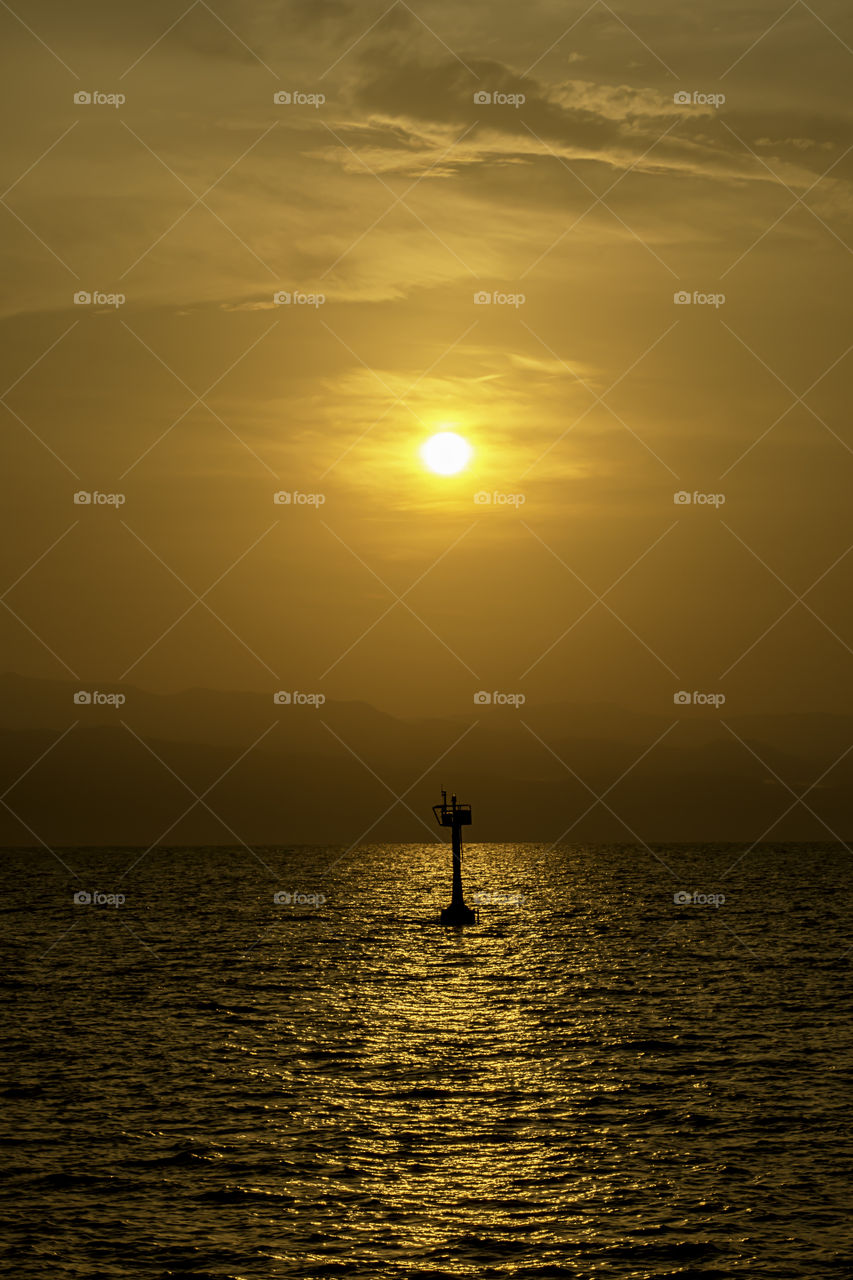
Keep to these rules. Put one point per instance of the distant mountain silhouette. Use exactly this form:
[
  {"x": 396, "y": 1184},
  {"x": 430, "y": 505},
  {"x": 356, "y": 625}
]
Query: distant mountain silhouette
[{"x": 317, "y": 775}]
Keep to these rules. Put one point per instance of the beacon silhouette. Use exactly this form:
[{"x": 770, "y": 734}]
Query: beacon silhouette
[{"x": 456, "y": 816}]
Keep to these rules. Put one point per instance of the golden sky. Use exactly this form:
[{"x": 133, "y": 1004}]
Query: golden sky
[{"x": 580, "y": 203}]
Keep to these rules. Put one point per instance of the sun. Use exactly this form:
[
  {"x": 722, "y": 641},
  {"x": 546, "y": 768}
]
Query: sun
[{"x": 447, "y": 453}]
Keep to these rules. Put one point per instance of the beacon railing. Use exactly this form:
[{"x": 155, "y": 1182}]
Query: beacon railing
[{"x": 447, "y": 814}]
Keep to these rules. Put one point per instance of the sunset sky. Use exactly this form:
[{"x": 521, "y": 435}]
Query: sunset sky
[
  {"x": 590, "y": 396},
  {"x": 426, "y": 569}
]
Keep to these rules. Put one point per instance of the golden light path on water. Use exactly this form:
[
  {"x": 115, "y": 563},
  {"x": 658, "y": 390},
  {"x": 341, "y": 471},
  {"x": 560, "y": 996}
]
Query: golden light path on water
[{"x": 447, "y": 1085}]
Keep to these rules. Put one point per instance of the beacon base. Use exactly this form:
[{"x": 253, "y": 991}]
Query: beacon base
[{"x": 456, "y": 916}]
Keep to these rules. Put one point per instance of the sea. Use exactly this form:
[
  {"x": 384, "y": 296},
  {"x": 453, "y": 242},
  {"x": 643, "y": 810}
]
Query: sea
[{"x": 272, "y": 1062}]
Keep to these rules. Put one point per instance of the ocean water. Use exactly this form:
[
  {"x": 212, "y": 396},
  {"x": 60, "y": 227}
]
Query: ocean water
[{"x": 596, "y": 1081}]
